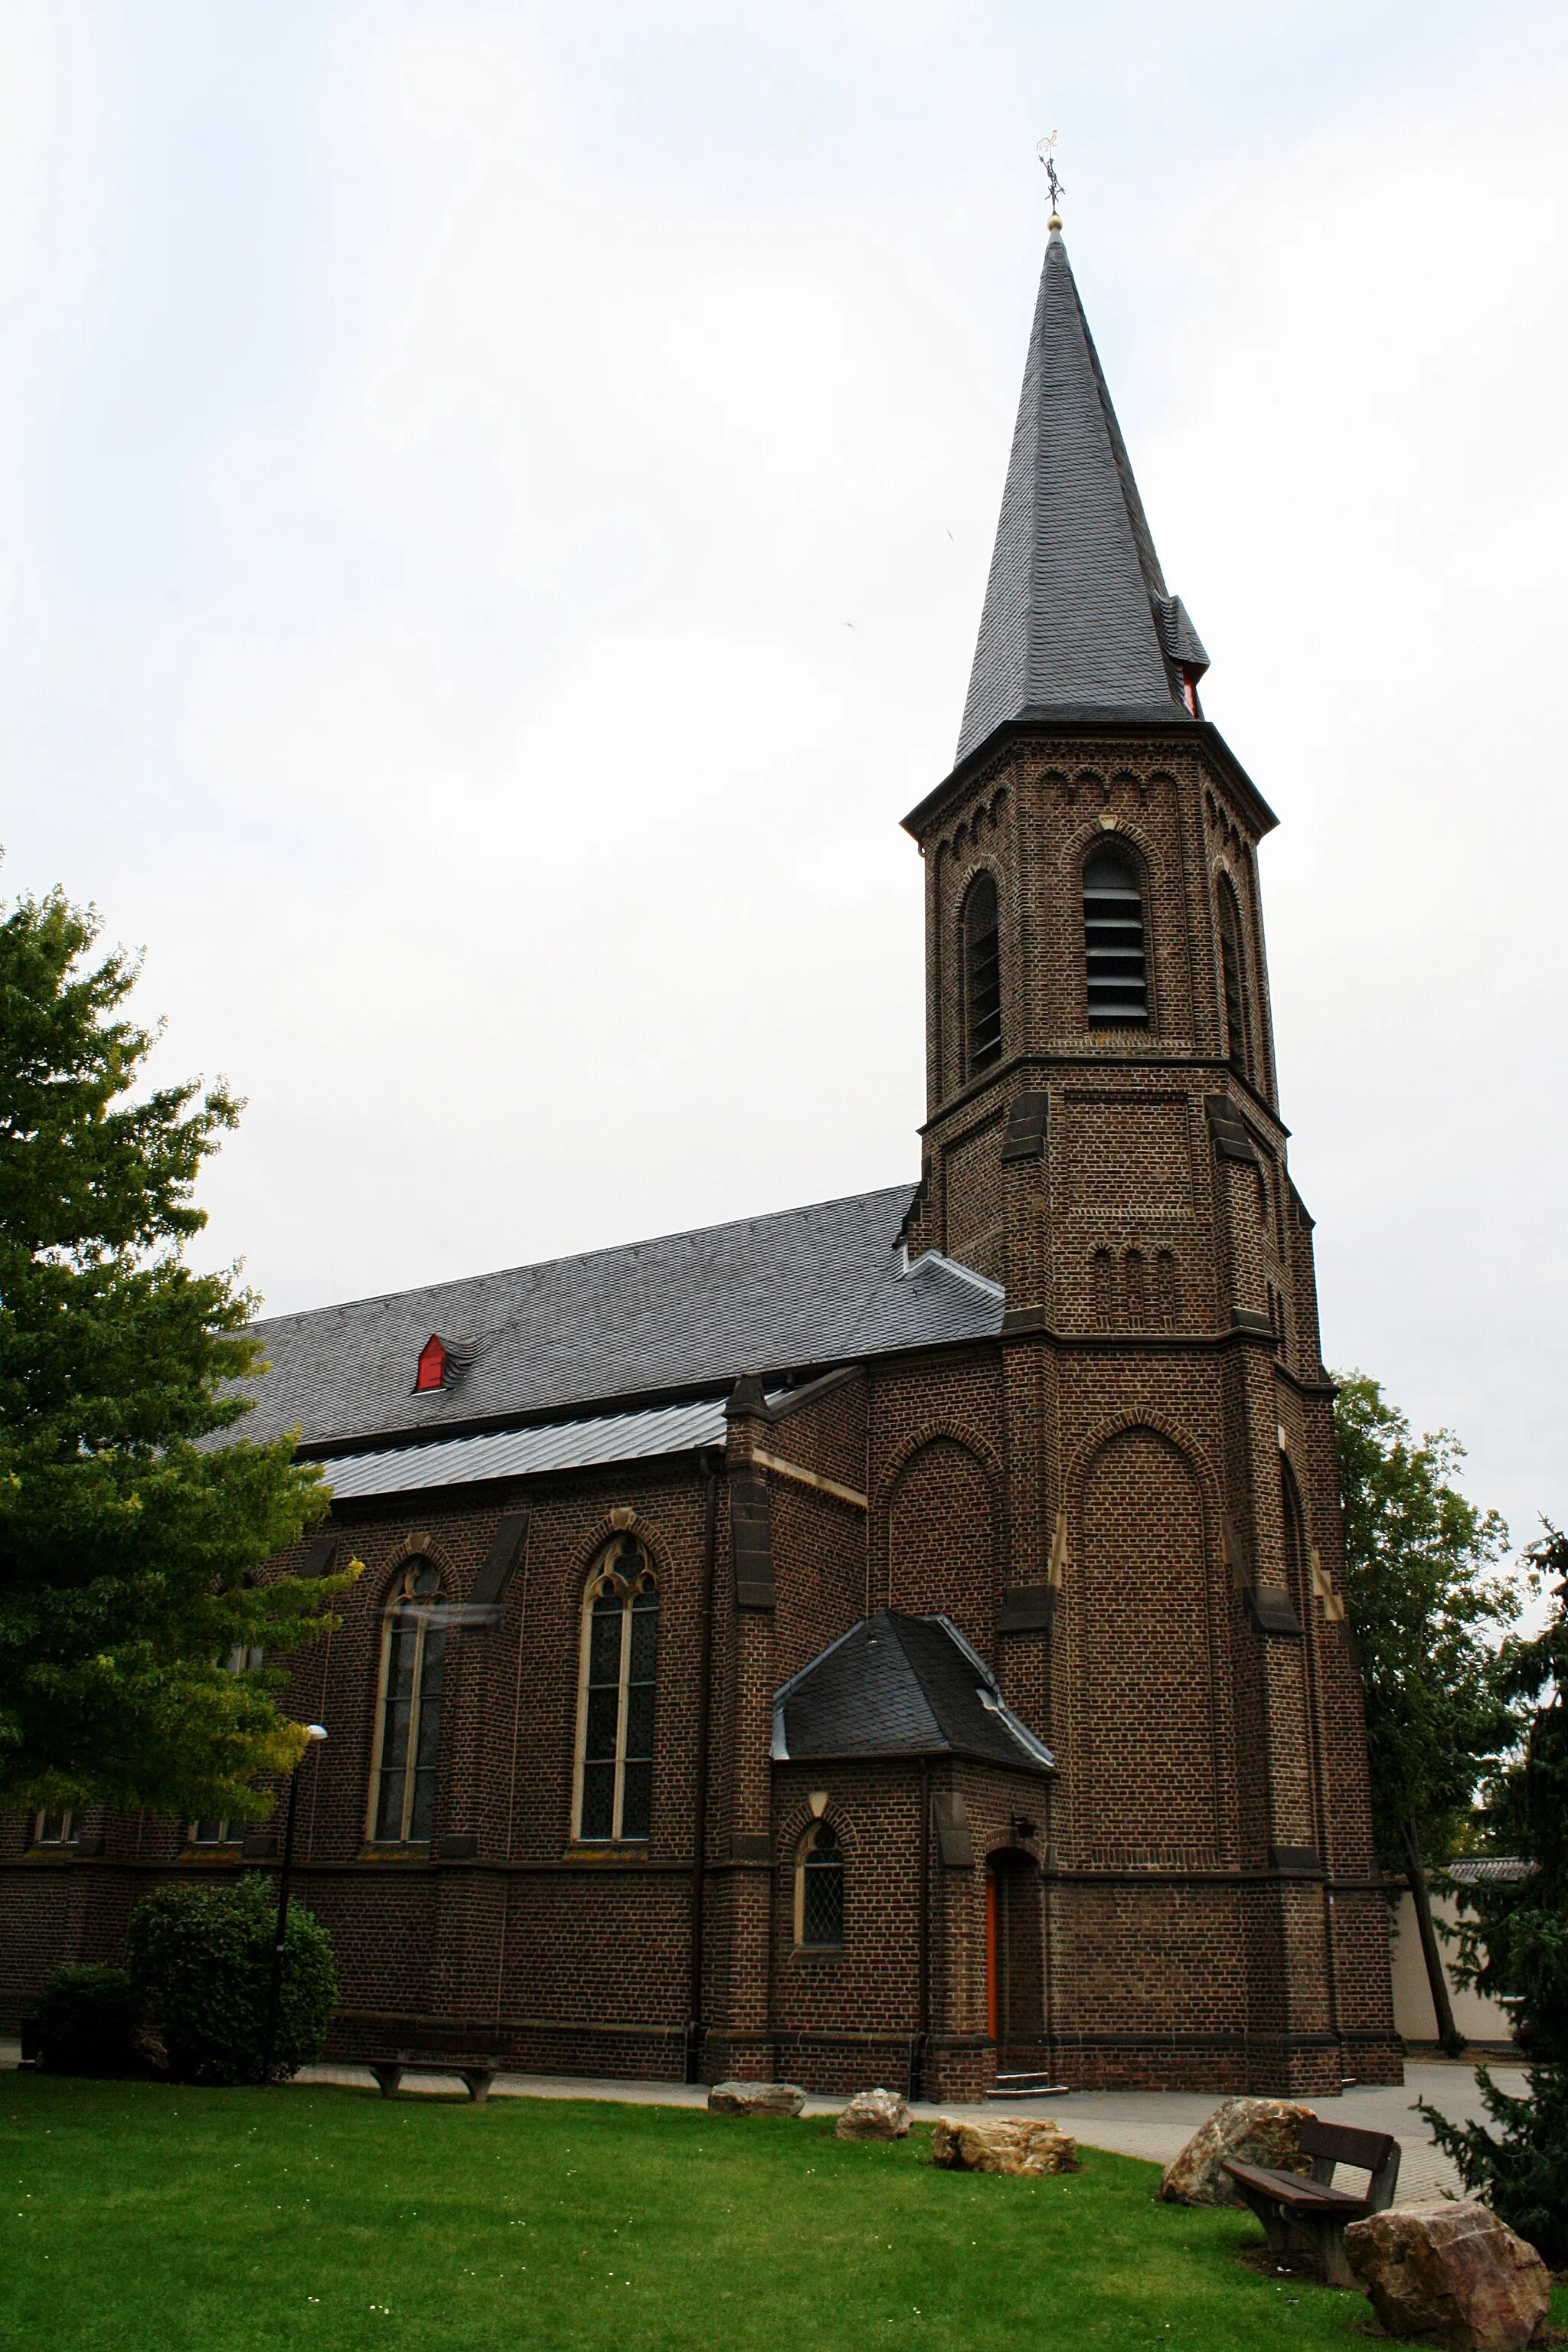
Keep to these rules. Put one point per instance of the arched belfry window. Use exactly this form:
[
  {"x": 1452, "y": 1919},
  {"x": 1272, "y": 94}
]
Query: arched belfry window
[
  {"x": 981, "y": 976},
  {"x": 819, "y": 1890},
  {"x": 1115, "y": 956},
  {"x": 408, "y": 1725},
  {"x": 614, "y": 1721},
  {"x": 1233, "y": 970}
]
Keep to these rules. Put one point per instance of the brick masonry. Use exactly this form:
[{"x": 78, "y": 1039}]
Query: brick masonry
[{"x": 1194, "y": 1901}]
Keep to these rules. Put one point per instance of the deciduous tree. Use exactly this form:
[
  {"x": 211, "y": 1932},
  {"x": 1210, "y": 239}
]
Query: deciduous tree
[
  {"x": 1424, "y": 1610},
  {"x": 130, "y": 1517}
]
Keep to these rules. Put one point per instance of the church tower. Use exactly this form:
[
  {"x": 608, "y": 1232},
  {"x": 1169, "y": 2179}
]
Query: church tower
[{"x": 1103, "y": 1139}]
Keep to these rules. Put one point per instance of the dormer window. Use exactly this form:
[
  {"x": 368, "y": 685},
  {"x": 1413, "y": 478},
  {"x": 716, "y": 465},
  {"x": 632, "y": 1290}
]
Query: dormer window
[{"x": 431, "y": 1371}]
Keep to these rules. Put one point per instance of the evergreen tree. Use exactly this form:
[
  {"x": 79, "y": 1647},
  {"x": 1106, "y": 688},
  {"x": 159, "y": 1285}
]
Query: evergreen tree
[
  {"x": 1421, "y": 1606},
  {"x": 125, "y": 1540},
  {"x": 1515, "y": 1941}
]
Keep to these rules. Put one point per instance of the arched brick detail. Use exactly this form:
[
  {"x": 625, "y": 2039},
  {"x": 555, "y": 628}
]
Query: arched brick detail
[
  {"x": 938, "y": 1528},
  {"x": 606, "y": 1532},
  {"x": 1140, "y": 1627},
  {"x": 797, "y": 1824},
  {"x": 1082, "y": 1458},
  {"x": 417, "y": 1546},
  {"x": 959, "y": 1433}
]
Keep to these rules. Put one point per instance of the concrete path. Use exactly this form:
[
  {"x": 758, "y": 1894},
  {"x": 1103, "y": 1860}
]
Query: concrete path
[{"x": 1152, "y": 2123}]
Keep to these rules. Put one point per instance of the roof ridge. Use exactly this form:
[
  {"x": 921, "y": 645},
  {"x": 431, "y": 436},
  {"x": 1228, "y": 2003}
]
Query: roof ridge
[{"x": 583, "y": 1257}]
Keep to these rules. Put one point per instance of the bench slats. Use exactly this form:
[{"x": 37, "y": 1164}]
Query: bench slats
[
  {"x": 1291, "y": 2188},
  {"x": 1344, "y": 2144}
]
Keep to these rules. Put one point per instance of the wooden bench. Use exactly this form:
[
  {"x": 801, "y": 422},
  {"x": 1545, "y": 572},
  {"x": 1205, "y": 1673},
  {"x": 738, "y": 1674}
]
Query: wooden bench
[
  {"x": 476, "y": 2074},
  {"x": 1308, "y": 2212}
]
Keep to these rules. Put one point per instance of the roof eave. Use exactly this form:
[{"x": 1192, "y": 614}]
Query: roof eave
[
  {"x": 942, "y": 1752},
  {"x": 1114, "y": 726}
]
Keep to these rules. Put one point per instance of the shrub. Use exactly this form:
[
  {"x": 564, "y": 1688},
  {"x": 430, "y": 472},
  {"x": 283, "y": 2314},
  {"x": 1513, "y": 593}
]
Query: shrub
[
  {"x": 200, "y": 1959},
  {"x": 87, "y": 2020}
]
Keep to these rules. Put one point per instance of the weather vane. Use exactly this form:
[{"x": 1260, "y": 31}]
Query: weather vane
[{"x": 1046, "y": 149}]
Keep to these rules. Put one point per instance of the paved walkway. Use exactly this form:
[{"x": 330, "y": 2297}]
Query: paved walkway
[{"x": 1152, "y": 2123}]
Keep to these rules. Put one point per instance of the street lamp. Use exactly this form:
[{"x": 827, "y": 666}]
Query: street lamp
[{"x": 313, "y": 1732}]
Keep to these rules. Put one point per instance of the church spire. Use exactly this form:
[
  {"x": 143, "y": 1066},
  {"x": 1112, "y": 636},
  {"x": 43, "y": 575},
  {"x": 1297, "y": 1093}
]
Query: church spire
[{"x": 1077, "y": 621}]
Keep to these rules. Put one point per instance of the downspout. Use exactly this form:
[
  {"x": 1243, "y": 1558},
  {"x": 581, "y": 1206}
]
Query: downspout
[
  {"x": 922, "y": 2036},
  {"x": 699, "y": 1794}
]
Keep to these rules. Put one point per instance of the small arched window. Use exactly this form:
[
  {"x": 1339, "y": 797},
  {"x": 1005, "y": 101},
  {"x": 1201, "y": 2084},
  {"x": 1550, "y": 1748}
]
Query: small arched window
[
  {"x": 413, "y": 1656},
  {"x": 619, "y": 1666},
  {"x": 1233, "y": 970},
  {"x": 819, "y": 1891},
  {"x": 1116, "y": 964},
  {"x": 981, "y": 976}
]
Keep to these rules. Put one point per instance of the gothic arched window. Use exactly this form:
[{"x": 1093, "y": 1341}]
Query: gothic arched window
[
  {"x": 1116, "y": 966},
  {"x": 408, "y": 1727},
  {"x": 1233, "y": 970},
  {"x": 819, "y": 1890},
  {"x": 614, "y": 1721},
  {"x": 981, "y": 976}
]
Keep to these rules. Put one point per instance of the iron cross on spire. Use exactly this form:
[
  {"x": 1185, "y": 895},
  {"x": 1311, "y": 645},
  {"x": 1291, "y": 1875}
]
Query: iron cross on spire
[{"x": 1046, "y": 149}]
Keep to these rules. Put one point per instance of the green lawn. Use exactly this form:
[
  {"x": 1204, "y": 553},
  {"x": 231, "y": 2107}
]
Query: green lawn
[{"x": 151, "y": 2220}]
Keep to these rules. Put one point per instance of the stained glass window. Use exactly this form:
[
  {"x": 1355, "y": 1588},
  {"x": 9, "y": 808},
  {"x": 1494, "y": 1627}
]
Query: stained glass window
[
  {"x": 620, "y": 1659},
  {"x": 413, "y": 1657},
  {"x": 821, "y": 1889}
]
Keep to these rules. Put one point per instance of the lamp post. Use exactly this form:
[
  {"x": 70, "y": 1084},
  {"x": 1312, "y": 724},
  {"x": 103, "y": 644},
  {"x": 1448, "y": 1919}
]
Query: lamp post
[{"x": 313, "y": 1732}]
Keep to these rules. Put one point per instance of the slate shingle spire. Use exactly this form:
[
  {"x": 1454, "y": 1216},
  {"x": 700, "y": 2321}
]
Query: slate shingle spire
[{"x": 1076, "y": 620}]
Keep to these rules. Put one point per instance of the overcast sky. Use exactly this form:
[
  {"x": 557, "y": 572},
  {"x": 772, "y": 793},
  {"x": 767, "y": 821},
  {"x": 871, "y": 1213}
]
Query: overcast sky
[{"x": 494, "y": 505}]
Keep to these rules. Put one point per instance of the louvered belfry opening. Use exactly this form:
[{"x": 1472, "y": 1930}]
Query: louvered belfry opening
[
  {"x": 981, "y": 976},
  {"x": 1115, "y": 962},
  {"x": 1238, "y": 1033}
]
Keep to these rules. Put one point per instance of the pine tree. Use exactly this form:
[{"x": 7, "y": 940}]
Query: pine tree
[{"x": 1515, "y": 1941}]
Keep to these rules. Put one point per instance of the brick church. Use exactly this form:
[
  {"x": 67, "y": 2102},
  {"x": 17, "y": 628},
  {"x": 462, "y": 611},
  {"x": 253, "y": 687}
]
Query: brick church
[{"x": 899, "y": 1640}]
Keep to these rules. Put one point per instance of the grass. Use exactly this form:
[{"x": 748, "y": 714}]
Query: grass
[{"x": 143, "y": 2219}]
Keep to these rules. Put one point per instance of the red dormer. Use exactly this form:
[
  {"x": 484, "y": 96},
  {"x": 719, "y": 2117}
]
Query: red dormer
[{"x": 431, "y": 1371}]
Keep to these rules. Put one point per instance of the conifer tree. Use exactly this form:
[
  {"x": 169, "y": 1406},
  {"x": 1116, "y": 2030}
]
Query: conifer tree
[
  {"x": 126, "y": 1535},
  {"x": 1515, "y": 1941}
]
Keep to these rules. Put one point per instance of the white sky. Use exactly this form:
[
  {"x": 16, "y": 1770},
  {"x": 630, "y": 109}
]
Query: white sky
[{"x": 442, "y": 449}]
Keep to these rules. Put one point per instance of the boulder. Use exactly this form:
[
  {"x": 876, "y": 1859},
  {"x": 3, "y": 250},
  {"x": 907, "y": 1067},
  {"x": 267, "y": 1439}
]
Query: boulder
[
  {"x": 1452, "y": 2273},
  {"x": 1025, "y": 2149},
  {"x": 874, "y": 2115},
  {"x": 1247, "y": 2131},
  {"x": 755, "y": 2099}
]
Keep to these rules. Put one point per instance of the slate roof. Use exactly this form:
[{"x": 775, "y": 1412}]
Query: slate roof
[
  {"x": 813, "y": 1286},
  {"x": 895, "y": 1686},
  {"x": 1076, "y": 620}
]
